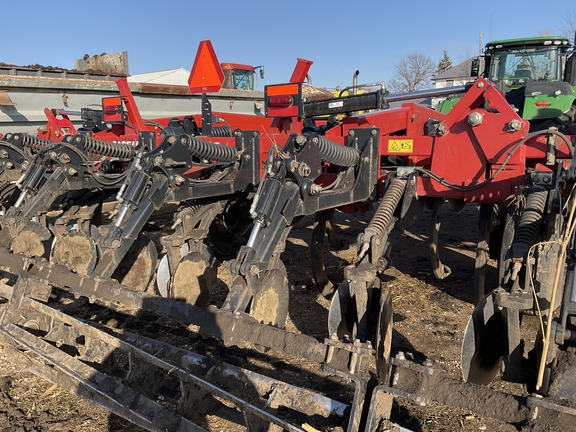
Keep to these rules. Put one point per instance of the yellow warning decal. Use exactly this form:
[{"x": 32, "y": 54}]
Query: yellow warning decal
[{"x": 401, "y": 145}]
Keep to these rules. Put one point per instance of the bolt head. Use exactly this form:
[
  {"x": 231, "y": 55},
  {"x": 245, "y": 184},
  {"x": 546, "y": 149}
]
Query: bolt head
[
  {"x": 475, "y": 118},
  {"x": 515, "y": 125}
]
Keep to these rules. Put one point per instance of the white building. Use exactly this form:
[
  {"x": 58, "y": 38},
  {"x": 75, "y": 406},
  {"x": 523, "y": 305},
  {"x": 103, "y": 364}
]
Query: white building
[
  {"x": 172, "y": 76},
  {"x": 455, "y": 76}
]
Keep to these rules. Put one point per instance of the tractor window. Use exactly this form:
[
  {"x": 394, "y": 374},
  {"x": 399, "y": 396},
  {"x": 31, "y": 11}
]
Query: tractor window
[
  {"x": 516, "y": 66},
  {"x": 244, "y": 80}
]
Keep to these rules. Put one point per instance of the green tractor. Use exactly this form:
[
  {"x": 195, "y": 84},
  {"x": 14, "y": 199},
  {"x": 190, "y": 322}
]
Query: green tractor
[{"x": 537, "y": 76}]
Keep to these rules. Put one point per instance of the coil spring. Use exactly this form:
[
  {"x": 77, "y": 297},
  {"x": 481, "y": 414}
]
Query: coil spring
[
  {"x": 73, "y": 197},
  {"x": 337, "y": 154},
  {"x": 105, "y": 148},
  {"x": 212, "y": 151},
  {"x": 386, "y": 208},
  {"x": 529, "y": 223},
  {"x": 6, "y": 190},
  {"x": 190, "y": 213},
  {"x": 32, "y": 142},
  {"x": 112, "y": 167},
  {"x": 221, "y": 131},
  {"x": 3, "y": 185}
]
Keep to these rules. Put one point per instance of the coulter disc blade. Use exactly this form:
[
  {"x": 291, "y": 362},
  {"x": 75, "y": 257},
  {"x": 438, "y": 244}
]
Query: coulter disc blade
[
  {"x": 32, "y": 241},
  {"x": 342, "y": 313},
  {"x": 484, "y": 336},
  {"x": 270, "y": 302},
  {"x": 163, "y": 274},
  {"x": 75, "y": 250},
  {"x": 138, "y": 265},
  {"x": 194, "y": 277},
  {"x": 384, "y": 334}
]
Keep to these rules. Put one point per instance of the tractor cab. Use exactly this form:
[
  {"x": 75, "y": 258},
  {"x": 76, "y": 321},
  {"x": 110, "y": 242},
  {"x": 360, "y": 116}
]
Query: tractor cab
[
  {"x": 513, "y": 63},
  {"x": 239, "y": 76},
  {"x": 537, "y": 77}
]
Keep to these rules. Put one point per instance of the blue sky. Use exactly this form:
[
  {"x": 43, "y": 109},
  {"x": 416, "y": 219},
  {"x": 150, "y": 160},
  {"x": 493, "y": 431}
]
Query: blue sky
[{"x": 339, "y": 36}]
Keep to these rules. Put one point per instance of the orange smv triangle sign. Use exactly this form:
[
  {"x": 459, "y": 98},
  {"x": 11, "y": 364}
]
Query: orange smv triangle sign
[{"x": 206, "y": 75}]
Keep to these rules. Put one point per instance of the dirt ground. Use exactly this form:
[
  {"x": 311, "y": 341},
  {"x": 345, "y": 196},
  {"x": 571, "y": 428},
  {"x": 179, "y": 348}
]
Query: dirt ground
[{"x": 429, "y": 321}]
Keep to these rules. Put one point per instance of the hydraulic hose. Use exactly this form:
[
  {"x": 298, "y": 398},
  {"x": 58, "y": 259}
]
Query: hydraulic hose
[{"x": 509, "y": 155}]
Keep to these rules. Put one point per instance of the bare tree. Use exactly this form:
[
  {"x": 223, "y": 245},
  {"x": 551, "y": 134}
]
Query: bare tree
[
  {"x": 412, "y": 73},
  {"x": 545, "y": 32},
  {"x": 569, "y": 26},
  {"x": 463, "y": 63}
]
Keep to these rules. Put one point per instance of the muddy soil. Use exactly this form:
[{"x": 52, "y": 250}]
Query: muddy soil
[{"x": 430, "y": 316}]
